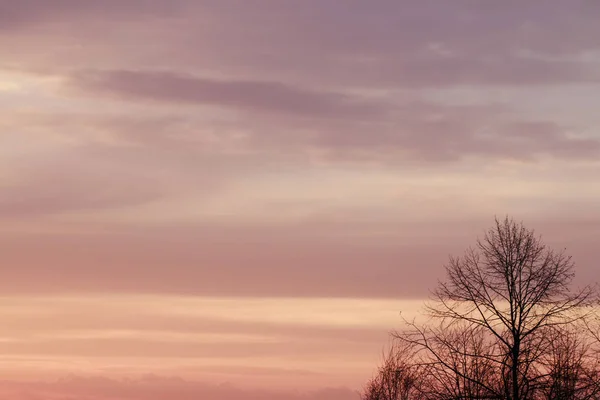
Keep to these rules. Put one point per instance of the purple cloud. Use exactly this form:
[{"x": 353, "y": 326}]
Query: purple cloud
[
  {"x": 272, "y": 97},
  {"x": 402, "y": 44}
]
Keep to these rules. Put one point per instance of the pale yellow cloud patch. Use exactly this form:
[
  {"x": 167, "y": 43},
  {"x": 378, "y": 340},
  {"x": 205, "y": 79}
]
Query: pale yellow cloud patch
[{"x": 18, "y": 83}]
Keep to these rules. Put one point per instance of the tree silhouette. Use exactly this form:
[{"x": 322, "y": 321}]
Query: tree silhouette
[
  {"x": 501, "y": 325},
  {"x": 397, "y": 377}
]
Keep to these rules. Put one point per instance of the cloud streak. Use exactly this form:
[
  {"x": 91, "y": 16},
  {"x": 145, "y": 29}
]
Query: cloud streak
[{"x": 272, "y": 97}]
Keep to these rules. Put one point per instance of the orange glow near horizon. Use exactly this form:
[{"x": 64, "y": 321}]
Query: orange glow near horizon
[{"x": 197, "y": 337}]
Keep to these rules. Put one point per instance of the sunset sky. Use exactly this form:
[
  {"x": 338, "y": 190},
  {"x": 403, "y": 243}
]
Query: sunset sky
[{"x": 233, "y": 199}]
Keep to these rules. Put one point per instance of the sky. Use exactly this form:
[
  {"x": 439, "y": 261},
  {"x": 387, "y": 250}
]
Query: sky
[{"x": 228, "y": 199}]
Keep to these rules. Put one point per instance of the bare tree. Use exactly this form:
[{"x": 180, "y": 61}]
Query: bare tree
[
  {"x": 458, "y": 361},
  {"x": 512, "y": 286},
  {"x": 570, "y": 367},
  {"x": 499, "y": 327},
  {"x": 397, "y": 377}
]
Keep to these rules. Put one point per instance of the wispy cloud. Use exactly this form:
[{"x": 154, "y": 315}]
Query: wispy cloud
[{"x": 272, "y": 97}]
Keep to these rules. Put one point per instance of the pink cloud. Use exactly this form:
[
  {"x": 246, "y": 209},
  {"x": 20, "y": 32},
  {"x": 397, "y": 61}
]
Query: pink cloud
[
  {"x": 62, "y": 190},
  {"x": 312, "y": 259}
]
